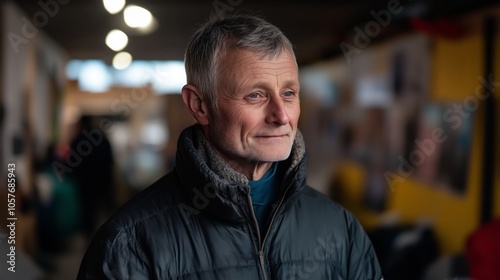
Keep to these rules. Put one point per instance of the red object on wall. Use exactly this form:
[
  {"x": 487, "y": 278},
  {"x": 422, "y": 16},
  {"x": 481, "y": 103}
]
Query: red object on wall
[
  {"x": 482, "y": 252},
  {"x": 440, "y": 27}
]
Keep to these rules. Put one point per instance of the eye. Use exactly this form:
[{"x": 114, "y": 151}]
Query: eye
[
  {"x": 288, "y": 93},
  {"x": 253, "y": 95}
]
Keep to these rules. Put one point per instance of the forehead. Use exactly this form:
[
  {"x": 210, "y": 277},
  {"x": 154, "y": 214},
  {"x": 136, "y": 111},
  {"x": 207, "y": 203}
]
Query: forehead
[{"x": 246, "y": 61}]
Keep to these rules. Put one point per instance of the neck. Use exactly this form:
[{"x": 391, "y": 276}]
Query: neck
[{"x": 253, "y": 171}]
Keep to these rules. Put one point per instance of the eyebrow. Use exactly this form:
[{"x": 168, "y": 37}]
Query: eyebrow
[
  {"x": 289, "y": 83},
  {"x": 292, "y": 84}
]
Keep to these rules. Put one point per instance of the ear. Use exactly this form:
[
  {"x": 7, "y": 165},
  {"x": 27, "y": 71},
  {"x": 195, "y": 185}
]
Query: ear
[{"x": 195, "y": 104}]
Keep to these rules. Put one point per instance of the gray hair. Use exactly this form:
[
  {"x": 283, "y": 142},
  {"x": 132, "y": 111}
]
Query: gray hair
[{"x": 210, "y": 43}]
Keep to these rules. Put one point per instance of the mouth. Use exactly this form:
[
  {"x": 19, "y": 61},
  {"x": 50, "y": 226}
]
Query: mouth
[{"x": 273, "y": 136}]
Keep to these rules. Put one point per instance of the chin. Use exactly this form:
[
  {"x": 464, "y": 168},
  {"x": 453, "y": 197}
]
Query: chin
[{"x": 274, "y": 155}]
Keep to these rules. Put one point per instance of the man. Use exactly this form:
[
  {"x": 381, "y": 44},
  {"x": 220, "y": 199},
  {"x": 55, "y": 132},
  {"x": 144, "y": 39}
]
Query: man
[{"x": 236, "y": 206}]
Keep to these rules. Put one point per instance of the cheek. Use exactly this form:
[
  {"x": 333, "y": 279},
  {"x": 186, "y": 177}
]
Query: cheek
[
  {"x": 237, "y": 115},
  {"x": 252, "y": 119},
  {"x": 231, "y": 120},
  {"x": 294, "y": 113}
]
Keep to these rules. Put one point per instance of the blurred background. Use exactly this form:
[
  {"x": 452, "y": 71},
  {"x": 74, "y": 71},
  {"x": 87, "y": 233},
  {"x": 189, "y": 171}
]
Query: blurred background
[{"x": 399, "y": 104}]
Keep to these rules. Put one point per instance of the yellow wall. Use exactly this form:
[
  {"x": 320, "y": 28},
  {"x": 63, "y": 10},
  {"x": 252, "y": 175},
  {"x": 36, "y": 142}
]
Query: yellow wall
[{"x": 456, "y": 66}]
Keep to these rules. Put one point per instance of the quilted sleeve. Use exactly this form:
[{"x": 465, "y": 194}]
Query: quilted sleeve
[
  {"x": 114, "y": 256},
  {"x": 362, "y": 260}
]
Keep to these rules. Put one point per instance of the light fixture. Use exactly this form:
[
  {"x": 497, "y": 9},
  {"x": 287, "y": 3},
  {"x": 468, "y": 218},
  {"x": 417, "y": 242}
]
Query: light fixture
[
  {"x": 137, "y": 17},
  {"x": 113, "y": 6},
  {"x": 122, "y": 60},
  {"x": 116, "y": 40}
]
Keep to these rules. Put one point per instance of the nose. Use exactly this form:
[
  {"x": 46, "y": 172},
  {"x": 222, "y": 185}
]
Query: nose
[{"x": 277, "y": 113}]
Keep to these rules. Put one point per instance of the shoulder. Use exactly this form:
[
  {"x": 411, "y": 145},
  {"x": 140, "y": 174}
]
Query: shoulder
[
  {"x": 120, "y": 240},
  {"x": 158, "y": 201}
]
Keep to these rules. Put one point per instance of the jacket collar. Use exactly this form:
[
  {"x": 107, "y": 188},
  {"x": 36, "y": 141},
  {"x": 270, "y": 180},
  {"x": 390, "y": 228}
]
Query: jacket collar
[{"x": 213, "y": 187}]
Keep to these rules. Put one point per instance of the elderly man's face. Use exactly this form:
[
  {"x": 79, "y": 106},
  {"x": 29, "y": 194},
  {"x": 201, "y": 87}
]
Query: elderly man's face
[{"x": 258, "y": 107}]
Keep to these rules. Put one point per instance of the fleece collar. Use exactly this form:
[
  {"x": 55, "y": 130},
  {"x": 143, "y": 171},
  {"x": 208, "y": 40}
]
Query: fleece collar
[{"x": 202, "y": 172}]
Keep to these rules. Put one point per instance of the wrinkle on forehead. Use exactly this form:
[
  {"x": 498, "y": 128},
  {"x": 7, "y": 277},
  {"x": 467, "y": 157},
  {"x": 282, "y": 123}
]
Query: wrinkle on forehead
[{"x": 240, "y": 69}]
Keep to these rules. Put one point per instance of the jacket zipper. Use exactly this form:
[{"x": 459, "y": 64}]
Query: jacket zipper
[
  {"x": 261, "y": 242},
  {"x": 274, "y": 216},
  {"x": 260, "y": 252}
]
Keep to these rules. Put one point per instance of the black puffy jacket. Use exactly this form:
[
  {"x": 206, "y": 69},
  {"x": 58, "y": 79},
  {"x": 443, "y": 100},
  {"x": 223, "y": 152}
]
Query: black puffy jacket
[{"x": 197, "y": 222}]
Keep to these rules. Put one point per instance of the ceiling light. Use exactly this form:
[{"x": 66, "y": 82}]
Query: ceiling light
[
  {"x": 116, "y": 40},
  {"x": 122, "y": 60},
  {"x": 137, "y": 17},
  {"x": 113, "y": 6}
]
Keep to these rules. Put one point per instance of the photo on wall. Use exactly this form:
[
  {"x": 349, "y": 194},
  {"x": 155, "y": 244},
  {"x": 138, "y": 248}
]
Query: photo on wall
[{"x": 444, "y": 142}]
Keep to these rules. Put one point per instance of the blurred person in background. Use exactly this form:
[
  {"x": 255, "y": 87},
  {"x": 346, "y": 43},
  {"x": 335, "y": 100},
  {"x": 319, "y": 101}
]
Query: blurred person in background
[
  {"x": 236, "y": 206},
  {"x": 93, "y": 173},
  {"x": 58, "y": 208}
]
